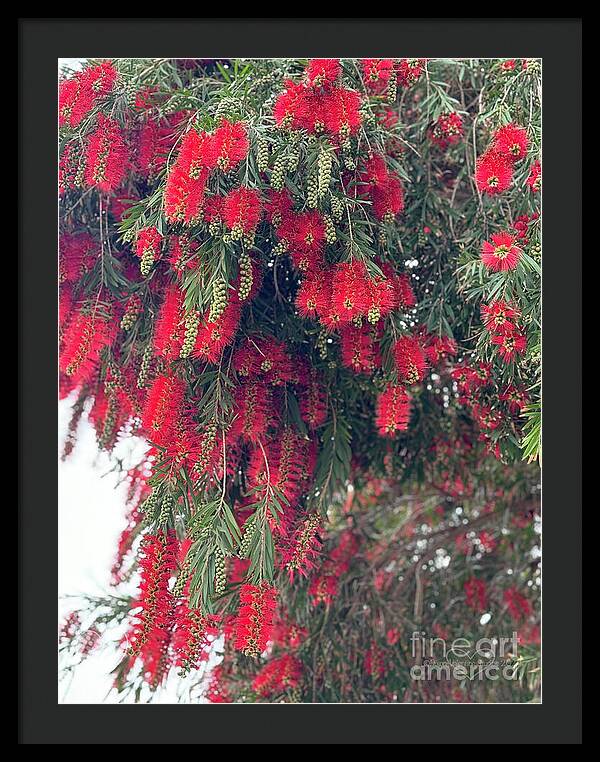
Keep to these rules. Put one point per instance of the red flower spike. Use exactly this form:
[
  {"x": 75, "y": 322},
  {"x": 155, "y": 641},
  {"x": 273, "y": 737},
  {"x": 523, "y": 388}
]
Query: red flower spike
[
  {"x": 323, "y": 72},
  {"x": 254, "y": 622},
  {"x": 510, "y": 343},
  {"x": 161, "y": 411},
  {"x": 84, "y": 339},
  {"x": 393, "y": 410},
  {"x": 501, "y": 253},
  {"x": 499, "y": 316},
  {"x": 358, "y": 349},
  {"x": 78, "y": 94},
  {"x": 511, "y": 141},
  {"x": 411, "y": 361},
  {"x": 313, "y": 298},
  {"x": 278, "y": 676},
  {"x": 228, "y": 145},
  {"x": 534, "y": 181},
  {"x": 214, "y": 336},
  {"x": 313, "y": 403},
  {"x": 106, "y": 156},
  {"x": 300, "y": 553},
  {"x": 252, "y": 410},
  {"x": 447, "y": 130},
  {"x": 410, "y": 70},
  {"x": 517, "y": 604},
  {"x": 493, "y": 173},
  {"x": 151, "y": 625},
  {"x": 377, "y": 72},
  {"x": 242, "y": 210}
]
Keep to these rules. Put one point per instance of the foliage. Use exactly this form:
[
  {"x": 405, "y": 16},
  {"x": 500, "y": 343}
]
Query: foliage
[{"x": 314, "y": 288}]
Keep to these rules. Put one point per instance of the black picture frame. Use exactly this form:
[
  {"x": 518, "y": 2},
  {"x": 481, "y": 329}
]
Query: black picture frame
[{"x": 558, "y": 718}]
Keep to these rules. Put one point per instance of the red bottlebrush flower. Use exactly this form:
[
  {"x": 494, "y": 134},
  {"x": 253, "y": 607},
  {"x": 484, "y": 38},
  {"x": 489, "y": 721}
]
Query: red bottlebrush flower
[
  {"x": 314, "y": 298},
  {"x": 501, "y": 254},
  {"x": 493, "y": 173},
  {"x": 290, "y": 467},
  {"x": 299, "y": 555},
  {"x": 168, "y": 334},
  {"x": 487, "y": 418},
  {"x": 511, "y": 141},
  {"x": 186, "y": 182},
  {"x": 374, "y": 662},
  {"x": 78, "y": 95},
  {"x": 290, "y": 105},
  {"x": 252, "y": 409},
  {"x": 341, "y": 112},
  {"x": 510, "y": 344},
  {"x": 101, "y": 78},
  {"x": 508, "y": 65},
  {"x": 534, "y": 181},
  {"x": 161, "y": 411},
  {"x": 288, "y": 634},
  {"x": 405, "y": 295},
  {"x": 323, "y": 72},
  {"x": 84, "y": 339},
  {"x": 410, "y": 70},
  {"x": 154, "y": 140},
  {"x": 393, "y": 410},
  {"x": 447, "y": 130},
  {"x": 192, "y": 636},
  {"x": 349, "y": 296},
  {"x": 151, "y": 623},
  {"x": 358, "y": 349},
  {"x": 499, "y": 316},
  {"x": 518, "y": 605},
  {"x": 411, "y": 361},
  {"x": 183, "y": 447},
  {"x": 213, "y": 208},
  {"x": 241, "y": 210},
  {"x": 313, "y": 403},
  {"x": 278, "y": 207},
  {"x": 278, "y": 676},
  {"x": 475, "y": 590},
  {"x": 265, "y": 358},
  {"x": 67, "y": 167},
  {"x": 388, "y": 199},
  {"x": 228, "y": 145},
  {"x": 147, "y": 247},
  {"x": 377, "y": 72},
  {"x": 439, "y": 348},
  {"x": 515, "y": 397},
  {"x": 374, "y": 172},
  {"x": 381, "y": 297},
  {"x": 106, "y": 156},
  {"x": 254, "y": 622},
  {"x": 305, "y": 235},
  {"x": 182, "y": 253},
  {"x": 77, "y": 255}
]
